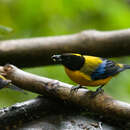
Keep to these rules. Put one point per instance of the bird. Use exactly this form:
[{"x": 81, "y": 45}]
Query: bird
[
  {"x": 5, "y": 83},
  {"x": 88, "y": 70}
]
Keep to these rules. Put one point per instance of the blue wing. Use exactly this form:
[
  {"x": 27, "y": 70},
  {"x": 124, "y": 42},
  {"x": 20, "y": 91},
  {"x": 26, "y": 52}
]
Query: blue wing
[{"x": 106, "y": 69}]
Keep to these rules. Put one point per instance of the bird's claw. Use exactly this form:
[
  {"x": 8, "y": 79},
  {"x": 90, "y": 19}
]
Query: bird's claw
[
  {"x": 99, "y": 90},
  {"x": 75, "y": 88}
]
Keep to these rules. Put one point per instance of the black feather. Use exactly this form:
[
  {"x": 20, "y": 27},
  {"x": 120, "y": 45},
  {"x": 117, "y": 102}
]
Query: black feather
[
  {"x": 72, "y": 62},
  {"x": 106, "y": 69}
]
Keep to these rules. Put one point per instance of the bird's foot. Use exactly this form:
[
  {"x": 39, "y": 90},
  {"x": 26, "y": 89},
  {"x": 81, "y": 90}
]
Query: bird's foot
[
  {"x": 98, "y": 90},
  {"x": 75, "y": 88}
]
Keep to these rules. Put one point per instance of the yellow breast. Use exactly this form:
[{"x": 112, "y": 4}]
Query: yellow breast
[{"x": 85, "y": 80}]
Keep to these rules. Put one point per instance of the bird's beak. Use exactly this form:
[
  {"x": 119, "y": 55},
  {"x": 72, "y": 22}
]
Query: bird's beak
[{"x": 56, "y": 58}]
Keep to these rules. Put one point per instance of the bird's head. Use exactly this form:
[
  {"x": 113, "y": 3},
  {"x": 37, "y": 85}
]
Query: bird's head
[{"x": 70, "y": 60}]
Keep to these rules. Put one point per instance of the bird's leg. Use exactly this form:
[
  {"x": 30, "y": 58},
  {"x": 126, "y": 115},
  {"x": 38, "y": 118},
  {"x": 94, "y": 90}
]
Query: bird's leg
[
  {"x": 98, "y": 90},
  {"x": 75, "y": 88}
]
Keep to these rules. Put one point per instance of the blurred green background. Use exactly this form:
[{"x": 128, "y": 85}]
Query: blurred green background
[{"x": 36, "y": 18}]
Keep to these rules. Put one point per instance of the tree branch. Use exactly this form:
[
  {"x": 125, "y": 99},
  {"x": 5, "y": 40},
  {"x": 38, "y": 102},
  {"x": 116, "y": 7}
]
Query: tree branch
[
  {"x": 37, "y": 51},
  {"x": 101, "y": 104},
  {"x": 41, "y": 110},
  {"x": 20, "y": 113}
]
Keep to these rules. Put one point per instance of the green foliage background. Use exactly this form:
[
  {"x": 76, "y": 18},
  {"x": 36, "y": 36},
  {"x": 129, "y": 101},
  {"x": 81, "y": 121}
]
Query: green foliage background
[{"x": 35, "y": 18}]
